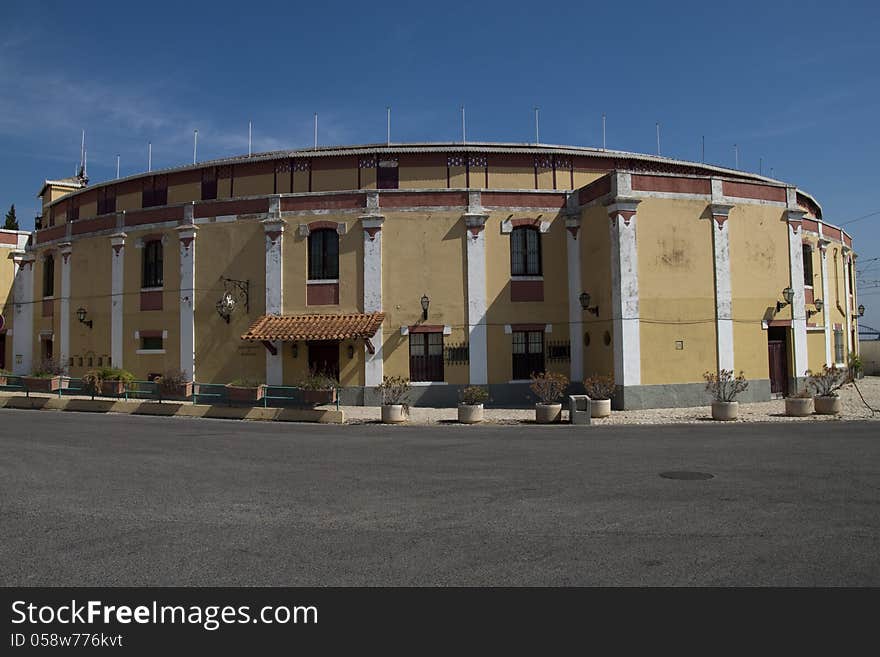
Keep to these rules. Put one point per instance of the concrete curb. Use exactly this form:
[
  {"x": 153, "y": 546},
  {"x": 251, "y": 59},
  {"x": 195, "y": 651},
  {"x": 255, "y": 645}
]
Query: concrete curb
[{"x": 173, "y": 409}]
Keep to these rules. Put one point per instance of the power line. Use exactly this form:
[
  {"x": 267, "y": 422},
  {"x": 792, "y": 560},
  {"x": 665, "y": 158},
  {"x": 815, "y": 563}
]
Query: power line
[{"x": 865, "y": 216}]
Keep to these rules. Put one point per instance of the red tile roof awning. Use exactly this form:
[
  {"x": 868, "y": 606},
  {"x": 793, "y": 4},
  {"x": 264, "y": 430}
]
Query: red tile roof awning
[{"x": 292, "y": 328}]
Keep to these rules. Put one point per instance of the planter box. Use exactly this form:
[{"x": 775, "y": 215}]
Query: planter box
[
  {"x": 600, "y": 407},
  {"x": 828, "y": 405},
  {"x": 179, "y": 393},
  {"x": 394, "y": 413},
  {"x": 113, "y": 388},
  {"x": 245, "y": 395},
  {"x": 3, "y": 380},
  {"x": 38, "y": 384},
  {"x": 724, "y": 411},
  {"x": 470, "y": 413},
  {"x": 318, "y": 397},
  {"x": 548, "y": 413},
  {"x": 798, "y": 406}
]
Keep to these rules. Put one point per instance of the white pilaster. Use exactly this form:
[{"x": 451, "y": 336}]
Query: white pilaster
[
  {"x": 117, "y": 297},
  {"x": 723, "y": 291},
  {"x": 23, "y": 322},
  {"x": 826, "y": 308},
  {"x": 475, "y": 237},
  {"x": 187, "y": 236},
  {"x": 847, "y": 292},
  {"x": 65, "y": 251},
  {"x": 575, "y": 312},
  {"x": 374, "y": 366},
  {"x": 274, "y": 230},
  {"x": 798, "y": 309},
  {"x": 625, "y": 292}
]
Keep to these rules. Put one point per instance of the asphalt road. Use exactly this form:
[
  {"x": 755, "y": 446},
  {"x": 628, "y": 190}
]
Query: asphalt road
[{"x": 122, "y": 500}]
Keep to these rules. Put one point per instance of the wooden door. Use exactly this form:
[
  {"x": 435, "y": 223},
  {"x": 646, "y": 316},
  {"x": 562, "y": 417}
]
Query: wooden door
[
  {"x": 778, "y": 367},
  {"x": 324, "y": 358}
]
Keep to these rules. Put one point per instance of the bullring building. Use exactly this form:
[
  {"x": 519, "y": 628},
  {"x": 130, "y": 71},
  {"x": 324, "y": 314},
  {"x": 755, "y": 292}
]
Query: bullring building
[{"x": 450, "y": 264}]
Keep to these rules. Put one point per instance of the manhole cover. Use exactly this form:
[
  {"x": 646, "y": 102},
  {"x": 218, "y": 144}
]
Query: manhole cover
[{"x": 686, "y": 475}]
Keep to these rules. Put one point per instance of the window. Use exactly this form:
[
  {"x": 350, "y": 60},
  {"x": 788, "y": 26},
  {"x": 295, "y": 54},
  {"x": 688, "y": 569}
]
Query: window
[
  {"x": 426, "y": 356},
  {"x": 838, "y": 345},
  {"x": 808, "y": 265},
  {"x": 209, "y": 184},
  {"x": 387, "y": 175},
  {"x": 153, "y": 264},
  {"x": 525, "y": 251},
  {"x": 323, "y": 254},
  {"x": 528, "y": 353},
  {"x": 48, "y": 276},
  {"x": 155, "y": 192},
  {"x": 73, "y": 209},
  {"x": 152, "y": 343},
  {"x": 107, "y": 200}
]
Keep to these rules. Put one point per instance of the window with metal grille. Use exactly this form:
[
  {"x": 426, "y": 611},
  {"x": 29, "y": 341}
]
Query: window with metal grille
[
  {"x": 838, "y": 345},
  {"x": 209, "y": 183},
  {"x": 48, "y": 276},
  {"x": 153, "y": 264},
  {"x": 107, "y": 200},
  {"x": 808, "y": 264},
  {"x": 525, "y": 251},
  {"x": 387, "y": 174},
  {"x": 528, "y": 353},
  {"x": 426, "y": 356},
  {"x": 155, "y": 192},
  {"x": 323, "y": 254}
]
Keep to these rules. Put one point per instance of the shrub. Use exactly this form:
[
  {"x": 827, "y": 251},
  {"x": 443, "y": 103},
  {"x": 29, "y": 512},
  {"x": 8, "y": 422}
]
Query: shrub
[
  {"x": 171, "y": 381},
  {"x": 855, "y": 365},
  {"x": 724, "y": 387},
  {"x": 5, "y": 373},
  {"x": 548, "y": 386},
  {"x": 827, "y": 382},
  {"x": 245, "y": 382},
  {"x": 318, "y": 381},
  {"x": 92, "y": 381},
  {"x": 599, "y": 387},
  {"x": 474, "y": 395},
  {"x": 115, "y": 374},
  {"x": 395, "y": 390},
  {"x": 48, "y": 368}
]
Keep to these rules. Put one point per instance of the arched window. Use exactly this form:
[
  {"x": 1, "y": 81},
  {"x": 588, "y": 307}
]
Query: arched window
[
  {"x": 323, "y": 254},
  {"x": 153, "y": 264},
  {"x": 525, "y": 251}
]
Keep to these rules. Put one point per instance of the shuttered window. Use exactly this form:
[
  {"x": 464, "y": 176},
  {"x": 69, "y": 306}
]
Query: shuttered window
[
  {"x": 48, "y": 276},
  {"x": 107, "y": 199},
  {"x": 525, "y": 251},
  {"x": 323, "y": 254},
  {"x": 209, "y": 184},
  {"x": 153, "y": 264}
]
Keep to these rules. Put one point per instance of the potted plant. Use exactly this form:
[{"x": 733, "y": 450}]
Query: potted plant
[
  {"x": 318, "y": 388},
  {"x": 548, "y": 388},
  {"x": 395, "y": 399},
  {"x": 174, "y": 385},
  {"x": 92, "y": 383},
  {"x": 856, "y": 367},
  {"x": 470, "y": 405},
  {"x": 825, "y": 385},
  {"x": 46, "y": 378},
  {"x": 4, "y": 377},
  {"x": 724, "y": 387},
  {"x": 246, "y": 391},
  {"x": 114, "y": 381},
  {"x": 800, "y": 404},
  {"x": 600, "y": 390}
]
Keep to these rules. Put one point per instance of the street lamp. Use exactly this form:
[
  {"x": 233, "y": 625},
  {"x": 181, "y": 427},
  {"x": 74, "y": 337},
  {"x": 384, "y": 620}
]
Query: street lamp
[
  {"x": 425, "y": 301},
  {"x": 81, "y": 316}
]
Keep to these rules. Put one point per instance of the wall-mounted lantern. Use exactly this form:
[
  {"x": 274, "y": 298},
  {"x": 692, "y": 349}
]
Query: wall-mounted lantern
[
  {"x": 584, "y": 298},
  {"x": 818, "y": 303},
  {"x": 425, "y": 301},
  {"x": 788, "y": 295},
  {"x": 81, "y": 316},
  {"x": 350, "y": 351},
  {"x": 861, "y": 310}
]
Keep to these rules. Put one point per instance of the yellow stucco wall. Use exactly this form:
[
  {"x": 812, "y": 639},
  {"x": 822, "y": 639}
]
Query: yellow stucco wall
[
  {"x": 90, "y": 288},
  {"x": 595, "y": 247},
  {"x": 676, "y": 291}
]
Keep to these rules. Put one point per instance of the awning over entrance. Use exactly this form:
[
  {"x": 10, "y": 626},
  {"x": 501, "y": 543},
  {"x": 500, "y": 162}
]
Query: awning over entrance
[{"x": 292, "y": 328}]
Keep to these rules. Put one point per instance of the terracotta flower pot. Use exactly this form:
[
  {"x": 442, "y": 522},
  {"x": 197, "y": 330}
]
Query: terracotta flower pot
[
  {"x": 600, "y": 407},
  {"x": 724, "y": 411},
  {"x": 470, "y": 413},
  {"x": 317, "y": 397},
  {"x": 798, "y": 406},
  {"x": 393, "y": 413},
  {"x": 112, "y": 388},
  {"x": 245, "y": 395},
  {"x": 3, "y": 380},
  {"x": 183, "y": 391},
  {"x": 40, "y": 384},
  {"x": 828, "y": 405},
  {"x": 548, "y": 413}
]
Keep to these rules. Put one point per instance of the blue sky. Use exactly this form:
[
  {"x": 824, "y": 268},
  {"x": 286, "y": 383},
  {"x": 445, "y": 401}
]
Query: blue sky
[{"x": 794, "y": 83}]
